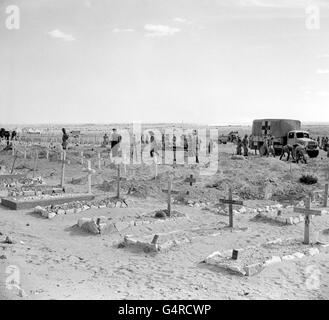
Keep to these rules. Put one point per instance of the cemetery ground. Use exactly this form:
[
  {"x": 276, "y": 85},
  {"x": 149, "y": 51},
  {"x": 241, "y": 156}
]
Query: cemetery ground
[{"x": 58, "y": 260}]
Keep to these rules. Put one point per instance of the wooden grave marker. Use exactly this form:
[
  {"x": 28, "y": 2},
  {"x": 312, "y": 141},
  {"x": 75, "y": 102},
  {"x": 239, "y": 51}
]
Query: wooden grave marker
[
  {"x": 169, "y": 196},
  {"x": 191, "y": 180},
  {"x": 90, "y": 172},
  {"x": 325, "y": 196},
  {"x": 231, "y": 202},
  {"x": 63, "y": 168},
  {"x": 35, "y": 162},
  {"x": 307, "y": 211}
]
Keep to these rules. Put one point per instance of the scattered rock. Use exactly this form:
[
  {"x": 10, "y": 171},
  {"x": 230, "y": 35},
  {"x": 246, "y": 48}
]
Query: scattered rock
[{"x": 9, "y": 240}]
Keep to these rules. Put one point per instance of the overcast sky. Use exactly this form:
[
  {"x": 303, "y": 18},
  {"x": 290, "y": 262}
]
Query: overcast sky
[{"x": 205, "y": 61}]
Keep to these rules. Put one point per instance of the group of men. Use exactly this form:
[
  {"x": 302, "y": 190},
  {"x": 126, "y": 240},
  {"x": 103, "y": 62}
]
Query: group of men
[
  {"x": 323, "y": 143},
  {"x": 242, "y": 144},
  {"x": 297, "y": 151},
  {"x": 8, "y": 136}
]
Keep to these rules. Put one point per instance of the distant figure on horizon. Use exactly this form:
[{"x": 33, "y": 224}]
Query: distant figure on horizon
[{"x": 65, "y": 137}]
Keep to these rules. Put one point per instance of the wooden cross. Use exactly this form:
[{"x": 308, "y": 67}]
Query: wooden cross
[
  {"x": 99, "y": 161},
  {"x": 191, "y": 180},
  {"x": 35, "y": 162},
  {"x": 90, "y": 172},
  {"x": 156, "y": 166},
  {"x": 307, "y": 212},
  {"x": 118, "y": 182},
  {"x": 63, "y": 168},
  {"x": 231, "y": 202},
  {"x": 169, "y": 196},
  {"x": 12, "y": 168},
  {"x": 325, "y": 200}
]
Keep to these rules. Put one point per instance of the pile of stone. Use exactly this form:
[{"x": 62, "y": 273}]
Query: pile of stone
[
  {"x": 93, "y": 225},
  {"x": 78, "y": 206},
  {"x": 283, "y": 215},
  {"x": 224, "y": 210},
  {"x": 191, "y": 203}
]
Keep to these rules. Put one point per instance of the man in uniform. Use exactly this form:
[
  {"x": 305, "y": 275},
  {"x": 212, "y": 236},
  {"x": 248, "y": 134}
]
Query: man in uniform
[{"x": 245, "y": 145}]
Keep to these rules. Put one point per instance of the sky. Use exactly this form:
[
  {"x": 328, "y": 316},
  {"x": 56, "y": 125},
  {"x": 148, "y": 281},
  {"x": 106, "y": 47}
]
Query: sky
[{"x": 193, "y": 61}]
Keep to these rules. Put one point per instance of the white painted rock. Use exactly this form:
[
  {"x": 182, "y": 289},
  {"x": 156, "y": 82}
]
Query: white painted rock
[
  {"x": 313, "y": 251},
  {"x": 60, "y": 212},
  {"x": 299, "y": 255},
  {"x": 274, "y": 259},
  {"x": 243, "y": 210},
  {"x": 51, "y": 215}
]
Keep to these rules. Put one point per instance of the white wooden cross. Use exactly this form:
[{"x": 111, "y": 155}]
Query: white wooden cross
[
  {"x": 231, "y": 202},
  {"x": 81, "y": 157},
  {"x": 63, "y": 168},
  {"x": 307, "y": 212},
  {"x": 90, "y": 172},
  {"x": 325, "y": 199},
  {"x": 99, "y": 161},
  {"x": 156, "y": 165}
]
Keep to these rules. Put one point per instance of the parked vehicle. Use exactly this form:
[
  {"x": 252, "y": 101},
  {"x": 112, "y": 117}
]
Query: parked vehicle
[{"x": 282, "y": 132}]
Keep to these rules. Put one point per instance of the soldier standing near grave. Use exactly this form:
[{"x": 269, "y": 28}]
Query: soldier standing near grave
[
  {"x": 185, "y": 148},
  {"x": 133, "y": 147},
  {"x": 239, "y": 147},
  {"x": 13, "y": 135},
  {"x": 174, "y": 147},
  {"x": 245, "y": 145},
  {"x": 65, "y": 137},
  {"x": 115, "y": 140},
  {"x": 271, "y": 150},
  {"x": 153, "y": 145},
  {"x": 7, "y": 137},
  {"x": 106, "y": 140},
  {"x": 197, "y": 145}
]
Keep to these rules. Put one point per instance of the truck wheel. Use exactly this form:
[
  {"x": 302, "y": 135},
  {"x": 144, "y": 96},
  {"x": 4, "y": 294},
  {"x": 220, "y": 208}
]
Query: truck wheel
[{"x": 313, "y": 153}]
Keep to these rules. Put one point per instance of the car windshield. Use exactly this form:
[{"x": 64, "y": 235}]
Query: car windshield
[{"x": 302, "y": 135}]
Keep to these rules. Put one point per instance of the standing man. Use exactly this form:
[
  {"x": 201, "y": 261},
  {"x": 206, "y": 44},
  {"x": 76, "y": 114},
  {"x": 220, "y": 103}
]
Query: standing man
[
  {"x": 197, "y": 145},
  {"x": 174, "y": 139},
  {"x": 65, "y": 137},
  {"x": 245, "y": 145},
  {"x": 153, "y": 145},
  {"x": 239, "y": 147},
  {"x": 115, "y": 139},
  {"x": 185, "y": 148}
]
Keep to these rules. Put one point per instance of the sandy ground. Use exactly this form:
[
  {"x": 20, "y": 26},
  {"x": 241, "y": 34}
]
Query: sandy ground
[{"x": 55, "y": 260}]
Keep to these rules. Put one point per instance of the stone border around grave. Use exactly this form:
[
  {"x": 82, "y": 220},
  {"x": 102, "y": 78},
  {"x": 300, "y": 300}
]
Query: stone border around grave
[
  {"x": 282, "y": 220},
  {"x": 129, "y": 241},
  {"x": 252, "y": 269},
  {"x": 30, "y": 204},
  {"x": 79, "y": 206}
]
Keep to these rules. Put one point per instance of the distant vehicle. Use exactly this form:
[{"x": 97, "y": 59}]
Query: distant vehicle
[{"x": 282, "y": 132}]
